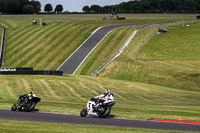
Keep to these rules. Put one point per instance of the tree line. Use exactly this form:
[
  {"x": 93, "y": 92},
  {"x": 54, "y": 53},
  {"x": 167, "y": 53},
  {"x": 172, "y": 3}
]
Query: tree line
[
  {"x": 26, "y": 7},
  {"x": 48, "y": 8},
  {"x": 148, "y": 6},
  {"x": 20, "y": 6}
]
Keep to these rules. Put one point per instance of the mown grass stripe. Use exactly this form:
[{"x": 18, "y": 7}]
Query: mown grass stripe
[
  {"x": 9, "y": 94},
  {"x": 53, "y": 52},
  {"x": 40, "y": 88},
  {"x": 67, "y": 91},
  {"x": 13, "y": 31},
  {"x": 53, "y": 47},
  {"x": 50, "y": 90},
  {"x": 41, "y": 56},
  {"x": 33, "y": 32},
  {"x": 18, "y": 37},
  {"x": 74, "y": 92},
  {"x": 61, "y": 44},
  {"x": 89, "y": 90},
  {"x": 36, "y": 45},
  {"x": 59, "y": 91},
  {"x": 26, "y": 85},
  {"x": 12, "y": 51},
  {"x": 72, "y": 39},
  {"x": 5, "y": 23},
  {"x": 27, "y": 47}
]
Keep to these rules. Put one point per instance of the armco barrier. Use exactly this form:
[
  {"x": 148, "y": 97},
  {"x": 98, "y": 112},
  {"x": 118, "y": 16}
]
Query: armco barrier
[
  {"x": 2, "y": 45},
  {"x": 28, "y": 71}
]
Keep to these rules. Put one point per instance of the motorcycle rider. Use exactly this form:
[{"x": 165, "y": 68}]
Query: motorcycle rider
[
  {"x": 99, "y": 100},
  {"x": 32, "y": 94},
  {"x": 23, "y": 99}
]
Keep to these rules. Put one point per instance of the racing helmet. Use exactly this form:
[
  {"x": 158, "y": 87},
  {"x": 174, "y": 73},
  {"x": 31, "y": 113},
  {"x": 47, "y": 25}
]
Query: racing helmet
[
  {"x": 33, "y": 94},
  {"x": 107, "y": 92}
]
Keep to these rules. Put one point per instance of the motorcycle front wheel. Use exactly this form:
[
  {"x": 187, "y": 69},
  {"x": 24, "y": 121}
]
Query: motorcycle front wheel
[
  {"x": 29, "y": 106},
  {"x": 83, "y": 112},
  {"x": 14, "y": 107}
]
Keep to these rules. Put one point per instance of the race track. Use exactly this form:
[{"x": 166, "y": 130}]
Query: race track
[
  {"x": 74, "y": 61},
  {"x": 72, "y": 119}
]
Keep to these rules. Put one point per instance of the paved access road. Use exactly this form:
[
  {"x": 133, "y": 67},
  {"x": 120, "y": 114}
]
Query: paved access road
[
  {"x": 62, "y": 118},
  {"x": 75, "y": 60}
]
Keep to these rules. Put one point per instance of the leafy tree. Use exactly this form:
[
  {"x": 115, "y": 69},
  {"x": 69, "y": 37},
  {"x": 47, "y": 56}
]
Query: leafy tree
[
  {"x": 95, "y": 8},
  {"x": 59, "y": 8},
  {"x": 151, "y": 6},
  {"x": 17, "y": 6},
  {"x": 9, "y": 6},
  {"x": 48, "y": 8},
  {"x": 28, "y": 9},
  {"x": 86, "y": 9},
  {"x": 36, "y": 5}
]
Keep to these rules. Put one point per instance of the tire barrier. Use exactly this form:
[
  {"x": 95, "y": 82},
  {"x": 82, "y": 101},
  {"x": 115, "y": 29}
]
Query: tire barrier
[
  {"x": 2, "y": 45},
  {"x": 28, "y": 71},
  {"x": 131, "y": 36}
]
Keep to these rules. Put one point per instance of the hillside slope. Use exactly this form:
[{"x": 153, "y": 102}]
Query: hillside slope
[
  {"x": 162, "y": 81},
  {"x": 170, "y": 59},
  {"x": 47, "y": 47}
]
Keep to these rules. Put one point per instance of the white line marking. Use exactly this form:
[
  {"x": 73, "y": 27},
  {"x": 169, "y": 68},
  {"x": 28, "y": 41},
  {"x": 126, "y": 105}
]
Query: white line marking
[
  {"x": 79, "y": 47},
  {"x": 90, "y": 52}
]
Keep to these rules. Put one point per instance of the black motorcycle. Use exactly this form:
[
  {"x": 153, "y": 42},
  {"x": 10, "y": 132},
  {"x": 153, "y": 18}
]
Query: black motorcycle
[{"x": 26, "y": 103}]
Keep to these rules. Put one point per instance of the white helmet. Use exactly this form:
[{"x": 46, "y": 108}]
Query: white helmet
[{"x": 107, "y": 91}]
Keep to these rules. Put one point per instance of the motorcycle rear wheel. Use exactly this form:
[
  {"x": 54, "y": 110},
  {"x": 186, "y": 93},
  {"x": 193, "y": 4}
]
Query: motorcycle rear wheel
[
  {"x": 29, "y": 107},
  {"x": 105, "y": 113},
  {"x": 83, "y": 112}
]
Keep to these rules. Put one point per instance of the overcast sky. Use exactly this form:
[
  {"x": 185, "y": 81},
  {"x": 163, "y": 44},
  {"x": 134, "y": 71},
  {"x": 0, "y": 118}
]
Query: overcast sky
[{"x": 77, "y": 5}]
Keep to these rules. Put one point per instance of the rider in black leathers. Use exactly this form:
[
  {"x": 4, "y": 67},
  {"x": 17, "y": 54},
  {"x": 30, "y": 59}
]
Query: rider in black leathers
[{"x": 23, "y": 99}]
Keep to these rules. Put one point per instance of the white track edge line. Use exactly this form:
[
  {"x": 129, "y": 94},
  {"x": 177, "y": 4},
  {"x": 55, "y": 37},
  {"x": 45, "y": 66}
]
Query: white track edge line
[
  {"x": 91, "y": 52},
  {"x": 79, "y": 47}
]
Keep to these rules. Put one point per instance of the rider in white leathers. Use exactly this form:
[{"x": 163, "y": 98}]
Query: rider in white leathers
[{"x": 106, "y": 97}]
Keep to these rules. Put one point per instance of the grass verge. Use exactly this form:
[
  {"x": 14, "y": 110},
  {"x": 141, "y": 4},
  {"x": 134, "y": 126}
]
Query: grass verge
[{"x": 32, "y": 127}]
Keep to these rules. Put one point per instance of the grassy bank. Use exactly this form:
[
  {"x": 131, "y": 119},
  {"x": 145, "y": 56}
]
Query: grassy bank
[
  {"x": 170, "y": 59},
  {"x": 44, "y": 47},
  {"x": 106, "y": 49},
  {"x": 69, "y": 95},
  {"x": 47, "y": 47}
]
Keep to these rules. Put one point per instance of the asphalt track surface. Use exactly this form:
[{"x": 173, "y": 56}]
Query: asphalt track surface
[
  {"x": 72, "y": 119},
  {"x": 76, "y": 59}
]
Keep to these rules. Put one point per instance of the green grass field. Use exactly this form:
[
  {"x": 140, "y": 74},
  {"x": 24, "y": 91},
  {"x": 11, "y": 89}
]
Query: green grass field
[
  {"x": 24, "y": 127},
  {"x": 69, "y": 94},
  {"x": 170, "y": 59},
  {"x": 49, "y": 46},
  {"x": 155, "y": 80},
  {"x": 44, "y": 47}
]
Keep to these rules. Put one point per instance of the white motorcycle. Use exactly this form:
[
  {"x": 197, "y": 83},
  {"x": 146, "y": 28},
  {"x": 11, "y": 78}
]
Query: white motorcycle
[{"x": 103, "y": 109}]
